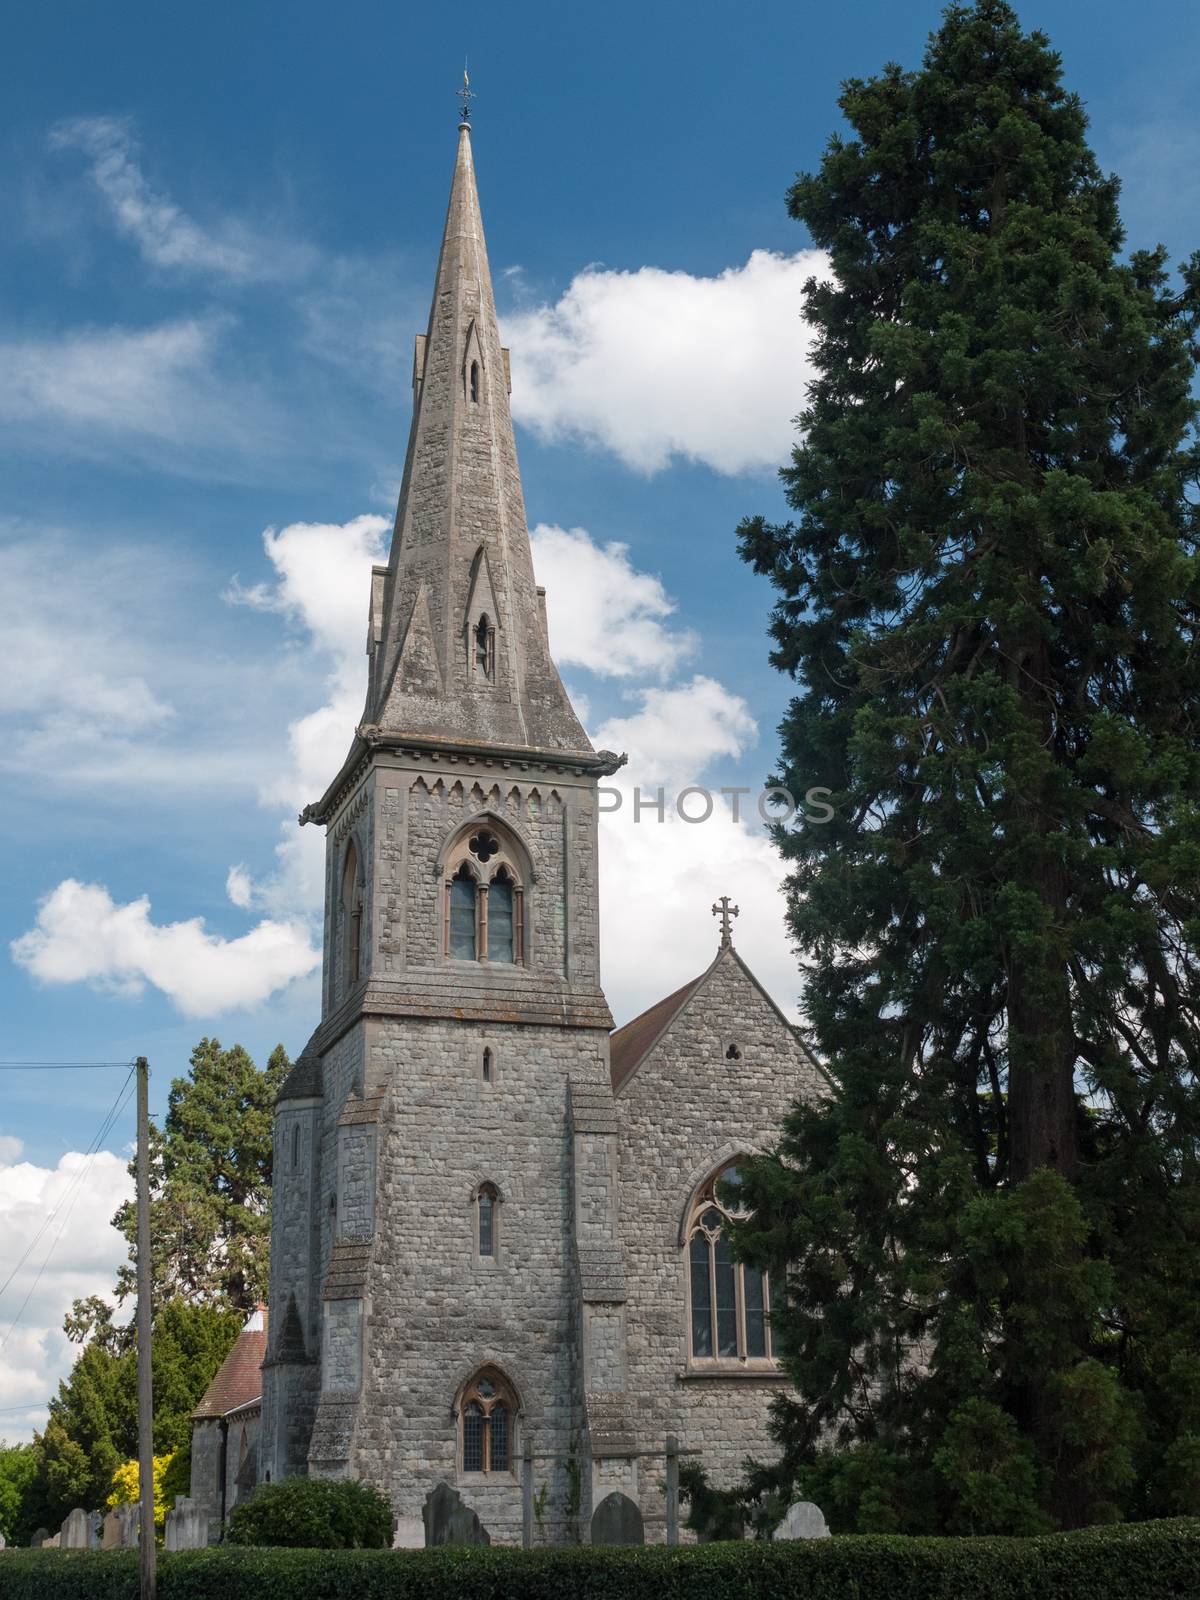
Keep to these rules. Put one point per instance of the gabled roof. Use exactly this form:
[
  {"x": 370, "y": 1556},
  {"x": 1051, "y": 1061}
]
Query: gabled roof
[
  {"x": 303, "y": 1082},
  {"x": 239, "y": 1379},
  {"x": 630, "y": 1045}
]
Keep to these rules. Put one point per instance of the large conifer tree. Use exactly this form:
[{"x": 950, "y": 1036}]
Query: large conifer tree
[{"x": 989, "y": 600}]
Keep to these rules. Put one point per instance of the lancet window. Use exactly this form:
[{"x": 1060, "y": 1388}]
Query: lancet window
[
  {"x": 487, "y": 1413},
  {"x": 483, "y": 648},
  {"x": 729, "y": 1302},
  {"x": 484, "y": 913},
  {"x": 352, "y": 917}
]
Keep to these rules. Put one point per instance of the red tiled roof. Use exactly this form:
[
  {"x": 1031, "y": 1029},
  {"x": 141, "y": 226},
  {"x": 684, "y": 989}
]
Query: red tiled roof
[
  {"x": 629, "y": 1045},
  {"x": 239, "y": 1379}
]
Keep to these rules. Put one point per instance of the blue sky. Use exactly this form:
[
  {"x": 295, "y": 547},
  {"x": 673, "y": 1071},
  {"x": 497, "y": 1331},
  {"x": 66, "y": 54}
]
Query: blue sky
[{"x": 221, "y": 227}]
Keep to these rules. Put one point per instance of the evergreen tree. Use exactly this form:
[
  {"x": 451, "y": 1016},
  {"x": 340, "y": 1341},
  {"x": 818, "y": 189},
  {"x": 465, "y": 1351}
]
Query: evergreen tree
[
  {"x": 210, "y": 1213},
  {"x": 20, "y": 1498},
  {"x": 92, "y": 1429},
  {"x": 989, "y": 601}
]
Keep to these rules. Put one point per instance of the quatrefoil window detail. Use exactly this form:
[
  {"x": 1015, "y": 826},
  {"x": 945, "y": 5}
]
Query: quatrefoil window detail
[{"x": 483, "y": 846}]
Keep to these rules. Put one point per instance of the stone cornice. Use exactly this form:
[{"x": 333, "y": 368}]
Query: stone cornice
[{"x": 370, "y": 740}]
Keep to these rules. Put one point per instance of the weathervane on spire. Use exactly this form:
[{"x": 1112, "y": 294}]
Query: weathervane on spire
[
  {"x": 726, "y": 912},
  {"x": 466, "y": 95}
]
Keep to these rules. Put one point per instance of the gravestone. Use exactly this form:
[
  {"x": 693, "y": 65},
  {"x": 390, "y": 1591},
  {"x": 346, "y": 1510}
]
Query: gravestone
[
  {"x": 187, "y": 1526},
  {"x": 1, "y": 1541},
  {"x": 617, "y": 1520},
  {"x": 39, "y": 1538},
  {"x": 802, "y": 1520},
  {"x": 51, "y": 1544},
  {"x": 121, "y": 1528},
  {"x": 95, "y": 1528},
  {"x": 76, "y": 1531},
  {"x": 448, "y": 1521}
]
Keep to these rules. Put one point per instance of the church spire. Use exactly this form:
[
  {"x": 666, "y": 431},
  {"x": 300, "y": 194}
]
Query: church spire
[{"x": 459, "y": 652}]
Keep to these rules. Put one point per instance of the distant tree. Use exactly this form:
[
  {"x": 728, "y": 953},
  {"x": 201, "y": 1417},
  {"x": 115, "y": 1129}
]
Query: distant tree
[
  {"x": 990, "y": 601},
  {"x": 211, "y": 1181},
  {"x": 20, "y": 1497}
]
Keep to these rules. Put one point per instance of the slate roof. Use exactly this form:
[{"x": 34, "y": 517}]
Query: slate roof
[
  {"x": 630, "y": 1044},
  {"x": 239, "y": 1379},
  {"x": 303, "y": 1082}
]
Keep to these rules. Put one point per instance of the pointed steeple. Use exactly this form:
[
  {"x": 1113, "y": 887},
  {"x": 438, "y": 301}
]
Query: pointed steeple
[{"x": 459, "y": 652}]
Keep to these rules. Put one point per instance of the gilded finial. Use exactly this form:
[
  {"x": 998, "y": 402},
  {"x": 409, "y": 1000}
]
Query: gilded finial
[{"x": 466, "y": 96}]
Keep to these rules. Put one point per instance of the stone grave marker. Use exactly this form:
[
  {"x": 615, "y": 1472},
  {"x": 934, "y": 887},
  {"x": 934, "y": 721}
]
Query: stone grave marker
[
  {"x": 187, "y": 1526},
  {"x": 617, "y": 1520},
  {"x": 39, "y": 1538},
  {"x": 449, "y": 1521},
  {"x": 121, "y": 1528},
  {"x": 802, "y": 1520},
  {"x": 76, "y": 1531}
]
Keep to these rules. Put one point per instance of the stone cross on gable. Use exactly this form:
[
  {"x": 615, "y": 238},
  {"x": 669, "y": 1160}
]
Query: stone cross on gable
[{"x": 726, "y": 912}]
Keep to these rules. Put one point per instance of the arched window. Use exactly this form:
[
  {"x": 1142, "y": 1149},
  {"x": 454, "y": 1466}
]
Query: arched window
[
  {"x": 487, "y": 1413},
  {"x": 484, "y": 918},
  {"x": 730, "y": 1302},
  {"x": 460, "y": 918},
  {"x": 483, "y": 658},
  {"x": 352, "y": 915},
  {"x": 474, "y": 383},
  {"x": 487, "y": 1220},
  {"x": 500, "y": 916}
]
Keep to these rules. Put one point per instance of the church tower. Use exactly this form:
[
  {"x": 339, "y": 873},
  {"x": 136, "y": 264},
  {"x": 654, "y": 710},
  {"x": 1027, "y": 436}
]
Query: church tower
[{"x": 446, "y": 1279}]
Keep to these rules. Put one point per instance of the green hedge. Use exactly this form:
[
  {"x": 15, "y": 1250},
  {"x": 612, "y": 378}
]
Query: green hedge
[{"x": 1143, "y": 1561}]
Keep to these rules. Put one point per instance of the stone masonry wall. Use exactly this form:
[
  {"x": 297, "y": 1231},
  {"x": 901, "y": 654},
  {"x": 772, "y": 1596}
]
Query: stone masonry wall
[
  {"x": 439, "y": 1311},
  {"x": 685, "y": 1111}
]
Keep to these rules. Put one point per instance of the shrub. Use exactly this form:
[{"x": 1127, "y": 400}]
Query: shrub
[
  {"x": 314, "y": 1513},
  {"x": 1139, "y": 1561}
]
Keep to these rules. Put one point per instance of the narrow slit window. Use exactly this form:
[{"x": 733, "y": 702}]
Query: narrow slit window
[
  {"x": 487, "y": 1066},
  {"x": 485, "y": 647},
  {"x": 474, "y": 383},
  {"x": 295, "y": 1145},
  {"x": 486, "y": 1203}
]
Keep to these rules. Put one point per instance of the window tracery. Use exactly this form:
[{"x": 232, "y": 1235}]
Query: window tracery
[
  {"x": 487, "y": 1413},
  {"x": 729, "y": 1302},
  {"x": 484, "y": 913}
]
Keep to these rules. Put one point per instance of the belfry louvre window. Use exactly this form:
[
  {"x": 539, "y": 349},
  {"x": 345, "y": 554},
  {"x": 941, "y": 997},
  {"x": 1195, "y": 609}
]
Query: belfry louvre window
[
  {"x": 483, "y": 648},
  {"x": 487, "y": 1413},
  {"x": 484, "y": 916},
  {"x": 730, "y": 1302}
]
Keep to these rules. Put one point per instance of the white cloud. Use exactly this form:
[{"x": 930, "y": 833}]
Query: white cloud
[
  {"x": 679, "y": 731},
  {"x": 166, "y": 236},
  {"x": 117, "y": 379},
  {"x": 77, "y": 1255},
  {"x": 655, "y": 365},
  {"x": 82, "y": 935},
  {"x": 10, "y": 1149},
  {"x": 605, "y": 615},
  {"x": 94, "y": 662},
  {"x": 323, "y": 586},
  {"x": 239, "y": 887}
]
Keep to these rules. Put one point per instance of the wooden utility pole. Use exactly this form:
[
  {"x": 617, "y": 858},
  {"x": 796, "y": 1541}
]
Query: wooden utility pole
[{"x": 145, "y": 1388}]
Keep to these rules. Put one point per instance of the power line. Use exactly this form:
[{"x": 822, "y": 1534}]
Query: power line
[
  {"x": 62, "y": 1066},
  {"x": 67, "y": 1199}
]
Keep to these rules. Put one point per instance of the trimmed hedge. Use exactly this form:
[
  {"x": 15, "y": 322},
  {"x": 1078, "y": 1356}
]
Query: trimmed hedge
[{"x": 1140, "y": 1561}]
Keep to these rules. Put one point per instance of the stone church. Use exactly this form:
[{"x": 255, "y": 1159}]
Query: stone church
[{"x": 494, "y": 1219}]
